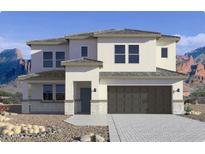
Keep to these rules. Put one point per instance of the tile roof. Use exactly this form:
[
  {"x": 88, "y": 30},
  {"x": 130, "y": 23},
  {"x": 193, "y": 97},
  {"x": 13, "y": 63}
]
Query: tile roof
[
  {"x": 54, "y": 41},
  {"x": 48, "y": 75},
  {"x": 103, "y": 33},
  {"x": 159, "y": 74},
  {"x": 82, "y": 62}
]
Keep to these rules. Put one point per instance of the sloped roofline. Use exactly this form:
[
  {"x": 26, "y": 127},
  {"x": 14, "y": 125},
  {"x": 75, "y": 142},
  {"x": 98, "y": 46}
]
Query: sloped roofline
[{"x": 103, "y": 33}]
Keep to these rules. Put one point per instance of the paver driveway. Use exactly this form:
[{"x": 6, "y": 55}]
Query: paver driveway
[{"x": 151, "y": 128}]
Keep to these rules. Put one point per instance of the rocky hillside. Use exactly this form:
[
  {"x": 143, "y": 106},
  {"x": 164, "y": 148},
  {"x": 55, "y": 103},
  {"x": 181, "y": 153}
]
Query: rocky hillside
[
  {"x": 12, "y": 65},
  {"x": 192, "y": 64}
]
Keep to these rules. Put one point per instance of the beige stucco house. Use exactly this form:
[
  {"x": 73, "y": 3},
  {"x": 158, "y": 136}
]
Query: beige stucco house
[{"x": 110, "y": 71}]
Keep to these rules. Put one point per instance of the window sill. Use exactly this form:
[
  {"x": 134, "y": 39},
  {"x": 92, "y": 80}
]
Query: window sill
[{"x": 52, "y": 101}]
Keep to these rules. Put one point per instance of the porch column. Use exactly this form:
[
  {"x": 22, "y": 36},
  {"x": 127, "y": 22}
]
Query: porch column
[
  {"x": 25, "y": 92},
  {"x": 69, "y": 97}
]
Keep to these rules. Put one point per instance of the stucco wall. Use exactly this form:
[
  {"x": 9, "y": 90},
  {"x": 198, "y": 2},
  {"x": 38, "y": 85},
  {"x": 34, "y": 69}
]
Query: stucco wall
[
  {"x": 37, "y": 56},
  {"x": 75, "y": 48},
  {"x": 147, "y": 52},
  {"x": 79, "y": 74},
  {"x": 169, "y": 62}
]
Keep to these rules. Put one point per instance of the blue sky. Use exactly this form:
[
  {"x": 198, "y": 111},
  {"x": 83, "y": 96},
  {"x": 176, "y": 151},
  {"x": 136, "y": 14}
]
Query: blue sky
[{"x": 18, "y": 27}]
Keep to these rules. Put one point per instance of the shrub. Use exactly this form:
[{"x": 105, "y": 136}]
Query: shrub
[
  {"x": 187, "y": 109},
  {"x": 13, "y": 98}
]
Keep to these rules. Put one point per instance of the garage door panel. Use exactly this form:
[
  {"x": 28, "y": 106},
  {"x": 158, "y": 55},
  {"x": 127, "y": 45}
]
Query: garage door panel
[
  {"x": 139, "y": 99},
  {"x": 112, "y": 107},
  {"x": 136, "y": 100},
  {"x": 120, "y": 99},
  {"x": 128, "y": 100}
]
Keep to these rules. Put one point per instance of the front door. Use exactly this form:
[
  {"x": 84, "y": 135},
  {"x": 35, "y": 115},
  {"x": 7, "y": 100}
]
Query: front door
[{"x": 85, "y": 98}]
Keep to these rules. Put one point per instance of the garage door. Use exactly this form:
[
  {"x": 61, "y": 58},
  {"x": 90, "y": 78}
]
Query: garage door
[{"x": 139, "y": 99}]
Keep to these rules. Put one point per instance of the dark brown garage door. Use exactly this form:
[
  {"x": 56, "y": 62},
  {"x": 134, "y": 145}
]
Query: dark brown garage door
[{"x": 139, "y": 99}]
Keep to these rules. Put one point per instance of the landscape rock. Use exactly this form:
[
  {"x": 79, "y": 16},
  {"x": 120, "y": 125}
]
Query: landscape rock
[
  {"x": 85, "y": 138},
  {"x": 99, "y": 138}
]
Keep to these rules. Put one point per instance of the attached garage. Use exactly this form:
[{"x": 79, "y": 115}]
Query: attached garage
[{"x": 140, "y": 99}]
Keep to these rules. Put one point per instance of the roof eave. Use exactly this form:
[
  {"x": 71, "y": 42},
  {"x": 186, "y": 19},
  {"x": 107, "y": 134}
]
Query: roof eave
[
  {"x": 128, "y": 35},
  {"x": 143, "y": 77}
]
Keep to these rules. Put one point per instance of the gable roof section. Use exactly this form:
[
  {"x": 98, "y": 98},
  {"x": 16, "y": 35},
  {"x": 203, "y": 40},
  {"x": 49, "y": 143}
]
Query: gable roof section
[
  {"x": 82, "y": 62},
  {"x": 48, "y": 75},
  {"x": 158, "y": 75}
]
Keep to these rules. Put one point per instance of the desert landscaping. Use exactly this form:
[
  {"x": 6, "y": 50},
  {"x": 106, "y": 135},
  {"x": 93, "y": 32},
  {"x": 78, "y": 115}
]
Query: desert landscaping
[
  {"x": 197, "y": 112},
  {"x": 47, "y": 128}
]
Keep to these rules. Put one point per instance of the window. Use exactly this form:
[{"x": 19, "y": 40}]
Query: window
[
  {"x": 60, "y": 56},
  {"x": 133, "y": 53},
  {"x": 119, "y": 53},
  {"x": 47, "y": 59},
  {"x": 84, "y": 51},
  {"x": 60, "y": 92},
  {"x": 47, "y": 92},
  {"x": 164, "y": 53}
]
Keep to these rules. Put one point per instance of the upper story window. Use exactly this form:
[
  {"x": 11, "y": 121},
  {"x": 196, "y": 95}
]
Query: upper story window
[
  {"x": 60, "y": 92},
  {"x": 84, "y": 51},
  {"x": 133, "y": 53},
  {"x": 60, "y": 56},
  {"x": 119, "y": 53},
  {"x": 47, "y": 92},
  {"x": 47, "y": 59},
  {"x": 164, "y": 52}
]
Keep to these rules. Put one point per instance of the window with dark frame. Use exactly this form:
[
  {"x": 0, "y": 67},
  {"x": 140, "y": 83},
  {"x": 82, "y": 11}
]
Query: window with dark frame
[
  {"x": 47, "y": 92},
  {"x": 119, "y": 53},
  {"x": 133, "y": 53},
  {"x": 60, "y": 92},
  {"x": 164, "y": 52},
  {"x": 47, "y": 59},
  {"x": 60, "y": 56},
  {"x": 84, "y": 51}
]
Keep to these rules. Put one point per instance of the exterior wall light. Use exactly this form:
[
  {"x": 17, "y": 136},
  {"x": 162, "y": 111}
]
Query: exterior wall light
[
  {"x": 178, "y": 90},
  {"x": 94, "y": 90}
]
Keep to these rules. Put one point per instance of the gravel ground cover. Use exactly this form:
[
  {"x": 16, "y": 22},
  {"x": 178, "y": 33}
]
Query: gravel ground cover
[
  {"x": 197, "y": 107},
  {"x": 64, "y": 132}
]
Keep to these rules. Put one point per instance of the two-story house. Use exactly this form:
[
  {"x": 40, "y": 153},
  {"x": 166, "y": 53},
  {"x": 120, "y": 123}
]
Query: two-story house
[{"x": 110, "y": 71}]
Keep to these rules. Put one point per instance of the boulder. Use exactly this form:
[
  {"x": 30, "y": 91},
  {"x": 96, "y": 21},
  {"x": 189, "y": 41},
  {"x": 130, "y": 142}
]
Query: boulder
[
  {"x": 85, "y": 138},
  {"x": 99, "y": 138}
]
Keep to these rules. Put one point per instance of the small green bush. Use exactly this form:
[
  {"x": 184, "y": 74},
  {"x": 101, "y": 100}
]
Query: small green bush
[
  {"x": 187, "y": 109},
  {"x": 13, "y": 98}
]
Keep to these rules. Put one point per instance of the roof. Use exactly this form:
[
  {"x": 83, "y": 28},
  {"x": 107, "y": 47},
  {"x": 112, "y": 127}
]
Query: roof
[
  {"x": 48, "y": 75},
  {"x": 104, "y": 33},
  {"x": 115, "y": 33},
  {"x": 52, "y": 41},
  {"x": 82, "y": 62},
  {"x": 159, "y": 74}
]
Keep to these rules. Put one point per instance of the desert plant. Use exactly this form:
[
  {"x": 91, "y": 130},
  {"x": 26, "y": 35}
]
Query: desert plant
[{"x": 187, "y": 109}]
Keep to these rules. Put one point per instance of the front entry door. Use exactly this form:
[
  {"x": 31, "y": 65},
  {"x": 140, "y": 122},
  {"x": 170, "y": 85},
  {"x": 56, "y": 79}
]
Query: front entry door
[{"x": 85, "y": 98}]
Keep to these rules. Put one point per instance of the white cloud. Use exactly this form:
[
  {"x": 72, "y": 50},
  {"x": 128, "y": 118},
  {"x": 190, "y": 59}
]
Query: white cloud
[
  {"x": 10, "y": 44},
  {"x": 189, "y": 43}
]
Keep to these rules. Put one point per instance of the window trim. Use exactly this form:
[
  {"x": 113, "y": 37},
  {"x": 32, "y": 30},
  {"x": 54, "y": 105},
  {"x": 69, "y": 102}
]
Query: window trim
[
  {"x": 59, "y": 92},
  {"x": 120, "y": 54},
  {"x": 166, "y": 51},
  {"x": 49, "y": 93},
  {"x": 82, "y": 51},
  {"x": 47, "y": 60},
  {"x": 133, "y": 54},
  {"x": 56, "y": 60}
]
